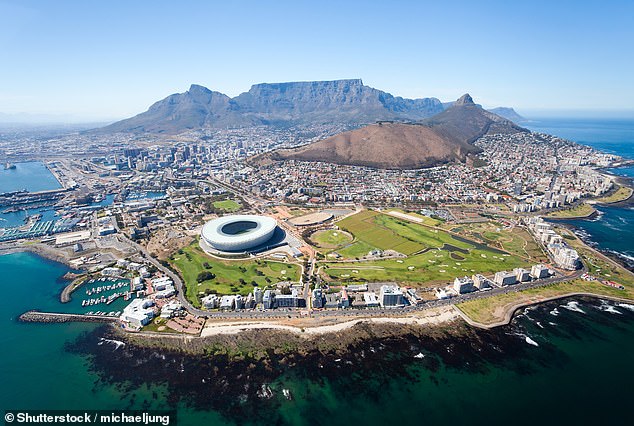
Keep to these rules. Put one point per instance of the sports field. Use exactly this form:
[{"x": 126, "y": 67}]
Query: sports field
[
  {"x": 331, "y": 238},
  {"x": 191, "y": 260},
  {"x": 227, "y": 205},
  {"x": 433, "y": 255}
]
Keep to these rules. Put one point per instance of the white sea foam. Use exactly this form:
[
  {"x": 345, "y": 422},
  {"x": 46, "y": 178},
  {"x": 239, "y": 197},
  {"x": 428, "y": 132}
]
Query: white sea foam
[
  {"x": 573, "y": 306},
  {"x": 539, "y": 324},
  {"x": 117, "y": 343},
  {"x": 531, "y": 341},
  {"x": 554, "y": 312},
  {"x": 611, "y": 309},
  {"x": 626, "y": 306},
  {"x": 420, "y": 355}
]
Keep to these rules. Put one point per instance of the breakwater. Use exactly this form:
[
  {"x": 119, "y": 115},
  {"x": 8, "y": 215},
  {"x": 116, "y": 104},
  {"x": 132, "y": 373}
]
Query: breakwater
[{"x": 51, "y": 317}]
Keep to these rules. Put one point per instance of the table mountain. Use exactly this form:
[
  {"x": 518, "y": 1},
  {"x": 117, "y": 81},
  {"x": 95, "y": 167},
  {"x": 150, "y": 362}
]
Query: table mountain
[{"x": 280, "y": 104}]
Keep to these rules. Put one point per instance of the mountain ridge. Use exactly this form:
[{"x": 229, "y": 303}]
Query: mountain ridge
[
  {"x": 444, "y": 138},
  {"x": 347, "y": 101}
]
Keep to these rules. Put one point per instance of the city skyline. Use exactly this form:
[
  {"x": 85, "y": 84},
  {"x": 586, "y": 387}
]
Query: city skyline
[{"x": 103, "y": 62}]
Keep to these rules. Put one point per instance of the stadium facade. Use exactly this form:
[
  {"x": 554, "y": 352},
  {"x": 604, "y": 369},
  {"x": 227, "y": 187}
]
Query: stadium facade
[{"x": 238, "y": 233}]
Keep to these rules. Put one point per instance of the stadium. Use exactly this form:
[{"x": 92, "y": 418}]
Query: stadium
[{"x": 237, "y": 233}]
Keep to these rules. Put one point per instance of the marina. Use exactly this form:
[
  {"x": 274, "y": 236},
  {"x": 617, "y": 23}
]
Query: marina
[{"x": 106, "y": 294}]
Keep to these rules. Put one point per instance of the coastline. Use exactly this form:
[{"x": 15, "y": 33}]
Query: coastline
[
  {"x": 593, "y": 213},
  {"x": 41, "y": 250},
  {"x": 511, "y": 311}
]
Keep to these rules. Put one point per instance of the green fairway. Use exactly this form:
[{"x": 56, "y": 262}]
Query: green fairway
[
  {"x": 228, "y": 273},
  {"x": 355, "y": 250},
  {"x": 331, "y": 238},
  {"x": 430, "y": 258},
  {"x": 433, "y": 266},
  {"x": 227, "y": 205},
  {"x": 385, "y": 232}
]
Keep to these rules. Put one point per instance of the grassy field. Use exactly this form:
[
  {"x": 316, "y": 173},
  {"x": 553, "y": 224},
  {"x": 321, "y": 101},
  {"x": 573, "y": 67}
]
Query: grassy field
[
  {"x": 227, "y": 205},
  {"x": 331, "y": 238},
  {"x": 384, "y": 232},
  {"x": 621, "y": 194},
  {"x": 356, "y": 250},
  {"x": 440, "y": 263},
  {"x": 190, "y": 262},
  {"x": 582, "y": 210},
  {"x": 493, "y": 309},
  {"x": 433, "y": 267}
]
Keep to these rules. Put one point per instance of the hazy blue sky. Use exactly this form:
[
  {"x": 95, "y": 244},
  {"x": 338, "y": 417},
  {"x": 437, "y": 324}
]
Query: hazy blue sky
[{"x": 110, "y": 59}]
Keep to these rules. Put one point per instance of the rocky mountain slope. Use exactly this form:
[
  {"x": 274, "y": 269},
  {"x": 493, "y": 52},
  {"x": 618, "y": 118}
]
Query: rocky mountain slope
[
  {"x": 281, "y": 104},
  {"x": 445, "y": 137}
]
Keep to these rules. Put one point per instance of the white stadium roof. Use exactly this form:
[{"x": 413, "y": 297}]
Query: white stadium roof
[{"x": 238, "y": 232}]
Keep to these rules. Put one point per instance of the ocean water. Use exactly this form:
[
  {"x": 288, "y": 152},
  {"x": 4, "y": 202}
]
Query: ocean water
[
  {"x": 32, "y": 176},
  {"x": 36, "y": 369},
  {"x": 614, "y": 136}
]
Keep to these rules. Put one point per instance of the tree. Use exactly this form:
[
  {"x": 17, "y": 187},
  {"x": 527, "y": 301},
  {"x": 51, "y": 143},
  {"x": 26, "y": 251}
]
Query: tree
[
  {"x": 286, "y": 290},
  {"x": 205, "y": 276}
]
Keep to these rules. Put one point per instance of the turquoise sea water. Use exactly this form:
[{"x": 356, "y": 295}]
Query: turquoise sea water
[{"x": 32, "y": 176}]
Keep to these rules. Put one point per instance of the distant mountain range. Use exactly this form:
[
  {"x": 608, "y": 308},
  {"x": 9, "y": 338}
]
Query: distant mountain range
[
  {"x": 347, "y": 102},
  {"x": 508, "y": 113},
  {"x": 445, "y": 137}
]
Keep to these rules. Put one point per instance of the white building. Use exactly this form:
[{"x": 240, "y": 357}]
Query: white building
[
  {"x": 463, "y": 285},
  {"x": 539, "y": 271},
  {"x": 137, "y": 284},
  {"x": 168, "y": 291},
  {"x": 522, "y": 275},
  {"x": 138, "y": 313},
  {"x": 170, "y": 309},
  {"x": 227, "y": 302},
  {"x": 391, "y": 296},
  {"x": 258, "y": 295},
  {"x": 161, "y": 283},
  {"x": 211, "y": 302},
  {"x": 481, "y": 282},
  {"x": 503, "y": 278},
  {"x": 370, "y": 300},
  {"x": 566, "y": 257}
]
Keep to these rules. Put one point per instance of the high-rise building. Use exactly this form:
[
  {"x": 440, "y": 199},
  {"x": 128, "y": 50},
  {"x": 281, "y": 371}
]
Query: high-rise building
[
  {"x": 463, "y": 285},
  {"x": 391, "y": 296}
]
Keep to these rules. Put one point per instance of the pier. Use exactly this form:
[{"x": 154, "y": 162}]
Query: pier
[{"x": 52, "y": 317}]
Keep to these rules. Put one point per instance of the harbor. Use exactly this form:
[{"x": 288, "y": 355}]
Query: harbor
[{"x": 101, "y": 297}]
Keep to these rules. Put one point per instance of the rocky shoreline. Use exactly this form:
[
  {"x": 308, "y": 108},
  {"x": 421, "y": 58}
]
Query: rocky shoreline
[
  {"x": 247, "y": 375},
  {"x": 224, "y": 372}
]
